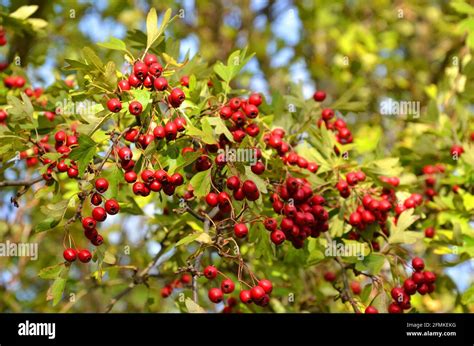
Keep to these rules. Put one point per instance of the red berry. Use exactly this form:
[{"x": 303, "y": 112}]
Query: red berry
[
  {"x": 226, "y": 112},
  {"x": 270, "y": 224},
  {"x": 112, "y": 207},
  {"x": 355, "y": 219},
  {"x": 371, "y": 310},
  {"x": 257, "y": 293},
  {"x": 215, "y": 295},
  {"x": 212, "y": 199},
  {"x": 429, "y": 232},
  {"x": 245, "y": 296},
  {"x": 114, "y": 105},
  {"x": 394, "y": 308},
  {"x": 159, "y": 132},
  {"x": 410, "y": 286},
  {"x": 60, "y": 136},
  {"x": 255, "y": 99},
  {"x": 233, "y": 182},
  {"x": 418, "y": 264},
  {"x": 319, "y": 96},
  {"x": 210, "y": 272},
  {"x": 101, "y": 185},
  {"x": 258, "y": 168},
  {"x": 327, "y": 114},
  {"x": 251, "y": 111},
  {"x": 423, "y": 289},
  {"x": 227, "y": 286},
  {"x": 355, "y": 287},
  {"x": 140, "y": 70},
  {"x": 123, "y": 85},
  {"x": 160, "y": 83},
  {"x": 70, "y": 255},
  {"x": 176, "y": 97},
  {"x": 329, "y": 276},
  {"x": 235, "y": 103},
  {"x": 171, "y": 130},
  {"x": 99, "y": 214},
  {"x": 418, "y": 277},
  {"x": 240, "y": 230},
  {"x": 130, "y": 177},
  {"x": 88, "y": 223},
  {"x": 166, "y": 291},
  {"x": 134, "y": 81},
  {"x": 97, "y": 240},
  {"x": 125, "y": 154},
  {"x": 72, "y": 172},
  {"x": 429, "y": 277},
  {"x": 266, "y": 285},
  {"x": 135, "y": 108},
  {"x": 184, "y": 81},
  {"x": 147, "y": 176},
  {"x": 84, "y": 256},
  {"x": 155, "y": 70},
  {"x": 176, "y": 179},
  {"x": 277, "y": 237},
  {"x": 150, "y": 59}
]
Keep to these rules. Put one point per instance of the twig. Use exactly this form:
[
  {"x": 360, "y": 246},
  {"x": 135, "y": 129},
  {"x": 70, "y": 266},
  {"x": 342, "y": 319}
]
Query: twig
[
  {"x": 197, "y": 261},
  {"x": 25, "y": 183},
  {"x": 346, "y": 295}
]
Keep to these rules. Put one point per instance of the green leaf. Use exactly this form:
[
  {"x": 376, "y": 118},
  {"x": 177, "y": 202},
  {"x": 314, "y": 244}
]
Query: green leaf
[
  {"x": 84, "y": 153},
  {"x": 92, "y": 58},
  {"x": 51, "y": 272},
  {"x": 468, "y": 296},
  {"x": 201, "y": 182},
  {"x": 372, "y": 263},
  {"x": 56, "y": 290},
  {"x": 47, "y": 224},
  {"x": 142, "y": 96},
  {"x": 24, "y": 12},
  {"x": 188, "y": 239},
  {"x": 109, "y": 258},
  {"x": 399, "y": 233},
  {"x": 153, "y": 33},
  {"x": 193, "y": 307},
  {"x": 462, "y": 7},
  {"x": 220, "y": 127},
  {"x": 114, "y": 43}
]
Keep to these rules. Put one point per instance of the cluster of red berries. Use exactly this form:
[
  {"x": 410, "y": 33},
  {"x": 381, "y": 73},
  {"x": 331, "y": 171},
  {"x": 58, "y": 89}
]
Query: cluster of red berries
[
  {"x": 14, "y": 82},
  {"x": 147, "y": 73},
  {"x": 71, "y": 255},
  {"x": 99, "y": 214},
  {"x": 430, "y": 172},
  {"x": 246, "y": 190},
  {"x": 415, "y": 200},
  {"x": 274, "y": 139},
  {"x": 151, "y": 180},
  {"x": 352, "y": 178},
  {"x": 63, "y": 145},
  {"x": 238, "y": 111},
  {"x": 304, "y": 213},
  {"x": 339, "y": 126},
  {"x": 185, "y": 280},
  {"x": 421, "y": 281},
  {"x": 170, "y": 129},
  {"x": 259, "y": 294}
]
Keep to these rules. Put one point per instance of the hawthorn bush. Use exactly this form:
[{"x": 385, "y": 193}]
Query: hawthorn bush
[{"x": 168, "y": 186}]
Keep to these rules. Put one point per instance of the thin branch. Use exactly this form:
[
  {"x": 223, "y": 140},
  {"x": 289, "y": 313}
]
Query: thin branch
[
  {"x": 346, "y": 295},
  {"x": 25, "y": 183}
]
